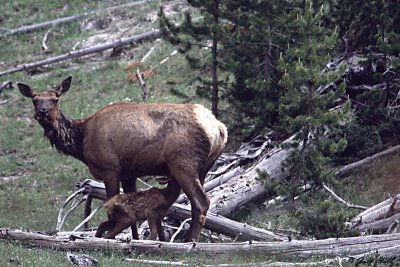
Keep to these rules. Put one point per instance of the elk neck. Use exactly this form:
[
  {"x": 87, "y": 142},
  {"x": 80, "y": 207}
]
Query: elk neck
[{"x": 66, "y": 135}]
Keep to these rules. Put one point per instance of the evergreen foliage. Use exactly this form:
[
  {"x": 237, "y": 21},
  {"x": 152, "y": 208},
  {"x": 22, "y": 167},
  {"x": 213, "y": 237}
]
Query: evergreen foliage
[
  {"x": 251, "y": 52},
  {"x": 305, "y": 111},
  {"x": 271, "y": 58},
  {"x": 308, "y": 114},
  {"x": 192, "y": 37},
  {"x": 324, "y": 220}
]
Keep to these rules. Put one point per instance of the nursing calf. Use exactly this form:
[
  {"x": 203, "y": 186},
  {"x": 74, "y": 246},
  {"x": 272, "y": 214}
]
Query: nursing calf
[{"x": 124, "y": 210}]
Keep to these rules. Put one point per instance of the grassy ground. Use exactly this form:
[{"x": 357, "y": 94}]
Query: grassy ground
[{"x": 35, "y": 179}]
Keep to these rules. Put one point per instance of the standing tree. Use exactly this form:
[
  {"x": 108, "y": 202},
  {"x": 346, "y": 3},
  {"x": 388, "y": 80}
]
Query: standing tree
[
  {"x": 306, "y": 112},
  {"x": 251, "y": 47},
  {"x": 191, "y": 36}
]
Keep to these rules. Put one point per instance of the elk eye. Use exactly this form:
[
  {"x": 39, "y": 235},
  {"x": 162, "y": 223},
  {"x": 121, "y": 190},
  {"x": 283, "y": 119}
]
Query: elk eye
[{"x": 54, "y": 100}]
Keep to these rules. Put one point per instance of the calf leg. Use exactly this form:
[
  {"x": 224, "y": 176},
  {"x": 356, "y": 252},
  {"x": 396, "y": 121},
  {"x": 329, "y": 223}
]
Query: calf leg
[
  {"x": 118, "y": 228},
  {"x": 160, "y": 230},
  {"x": 153, "y": 227},
  {"x": 104, "y": 226},
  {"x": 129, "y": 185}
]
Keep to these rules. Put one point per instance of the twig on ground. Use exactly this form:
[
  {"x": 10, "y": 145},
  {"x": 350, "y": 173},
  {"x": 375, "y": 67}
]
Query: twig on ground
[
  {"x": 4, "y": 85},
  {"x": 60, "y": 218},
  {"x": 179, "y": 229},
  {"x": 74, "y": 206},
  {"x": 44, "y": 45},
  {"x": 155, "y": 262}
]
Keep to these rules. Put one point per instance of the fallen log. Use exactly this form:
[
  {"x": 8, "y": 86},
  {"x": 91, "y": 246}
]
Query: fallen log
[
  {"x": 384, "y": 245},
  {"x": 379, "y": 211},
  {"x": 225, "y": 226},
  {"x": 379, "y": 226},
  {"x": 245, "y": 188},
  {"x": 52, "y": 23},
  {"x": 219, "y": 181},
  {"x": 380, "y": 218},
  {"x": 83, "y": 52},
  {"x": 348, "y": 169}
]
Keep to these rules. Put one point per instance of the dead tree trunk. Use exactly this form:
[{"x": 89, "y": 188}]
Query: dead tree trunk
[
  {"x": 225, "y": 226},
  {"x": 245, "y": 188},
  {"x": 383, "y": 245},
  {"x": 52, "y": 23},
  {"x": 380, "y": 218},
  {"x": 83, "y": 52}
]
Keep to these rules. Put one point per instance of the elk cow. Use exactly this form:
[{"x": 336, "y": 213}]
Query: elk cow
[
  {"x": 124, "y": 210},
  {"x": 123, "y": 141}
]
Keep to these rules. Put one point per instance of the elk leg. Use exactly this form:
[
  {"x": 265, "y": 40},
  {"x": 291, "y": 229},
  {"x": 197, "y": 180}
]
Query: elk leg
[
  {"x": 152, "y": 225},
  {"x": 122, "y": 221},
  {"x": 104, "y": 226},
  {"x": 160, "y": 230},
  {"x": 129, "y": 185},
  {"x": 191, "y": 186},
  {"x": 199, "y": 203},
  {"x": 88, "y": 210}
]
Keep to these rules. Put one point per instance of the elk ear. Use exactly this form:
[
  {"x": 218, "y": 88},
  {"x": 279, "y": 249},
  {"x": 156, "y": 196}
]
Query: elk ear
[
  {"x": 25, "y": 90},
  {"x": 64, "y": 86}
]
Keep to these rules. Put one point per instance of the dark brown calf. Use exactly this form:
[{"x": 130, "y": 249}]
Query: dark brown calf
[
  {"x": 124, "y": 210},
  {"x": 123, "y": 141}
]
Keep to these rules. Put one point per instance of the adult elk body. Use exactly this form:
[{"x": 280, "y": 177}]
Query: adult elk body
[{"x": 123, "y": 141}]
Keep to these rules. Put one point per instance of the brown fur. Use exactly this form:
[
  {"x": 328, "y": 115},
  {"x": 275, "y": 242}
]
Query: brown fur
[
  {"x": 124, "y": 141},
  {"x": 124, "y": 210}
]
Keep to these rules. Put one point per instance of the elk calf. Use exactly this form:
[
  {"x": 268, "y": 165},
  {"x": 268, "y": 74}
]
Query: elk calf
[{"x": 124, "y": 210}]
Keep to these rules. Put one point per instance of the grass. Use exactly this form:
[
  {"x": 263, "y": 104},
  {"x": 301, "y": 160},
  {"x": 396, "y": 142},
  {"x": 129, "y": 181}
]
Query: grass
[
  {"x": 40, "y": 179},
  {"x": 43, "y": 178}
]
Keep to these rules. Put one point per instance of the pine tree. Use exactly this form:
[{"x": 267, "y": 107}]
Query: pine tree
[
  {"x": 306, "y": 112},
  {"x": 191, "y": 36},
  {"x": 251, "y": 51}
]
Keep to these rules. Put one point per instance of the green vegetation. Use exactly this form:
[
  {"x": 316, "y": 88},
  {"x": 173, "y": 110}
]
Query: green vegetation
[{"x": 269, "y": 61}]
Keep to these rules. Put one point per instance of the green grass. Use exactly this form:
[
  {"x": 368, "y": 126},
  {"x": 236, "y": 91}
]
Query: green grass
[{"x": 47, "y": 178}]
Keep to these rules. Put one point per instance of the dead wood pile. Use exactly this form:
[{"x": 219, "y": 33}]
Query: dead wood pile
[{"x": 348, "y": 249}]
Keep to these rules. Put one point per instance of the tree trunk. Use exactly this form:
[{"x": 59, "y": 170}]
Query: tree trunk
[
  {"x": 84, "y": 52},
  {"x": 383, "y": 245},
  {"x": 225, "y": 226},
  {"x": 245, "y": 188},
  {"x": 52, "y": 23},
  {"x": 214, "y": 64}
]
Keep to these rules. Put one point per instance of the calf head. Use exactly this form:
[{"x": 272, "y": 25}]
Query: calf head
[{"x": 45, "y": 103}]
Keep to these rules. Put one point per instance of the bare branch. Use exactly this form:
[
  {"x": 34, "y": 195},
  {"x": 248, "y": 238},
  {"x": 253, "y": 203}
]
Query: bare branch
[{"x": 341, "y": 200}]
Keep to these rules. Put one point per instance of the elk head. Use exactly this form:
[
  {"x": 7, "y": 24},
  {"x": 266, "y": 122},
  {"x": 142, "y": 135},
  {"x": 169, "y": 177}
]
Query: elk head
[{"x": 45, "y": 103}]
